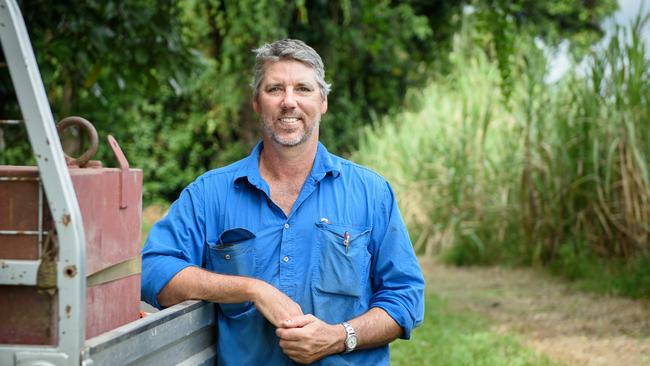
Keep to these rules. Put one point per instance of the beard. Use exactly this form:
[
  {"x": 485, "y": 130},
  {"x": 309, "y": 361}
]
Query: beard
[{"x": 293, "y": 137}]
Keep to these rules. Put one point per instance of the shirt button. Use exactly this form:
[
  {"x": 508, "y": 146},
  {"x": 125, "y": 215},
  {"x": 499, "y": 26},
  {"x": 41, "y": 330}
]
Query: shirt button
[
  {"x": 285, "y": 259},
  {"x": 286, "y": 226},
  {"x": 227, "y": 256}
]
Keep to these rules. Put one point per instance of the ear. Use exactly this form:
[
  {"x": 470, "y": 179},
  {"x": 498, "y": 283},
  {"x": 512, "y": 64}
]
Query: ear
[
  {"x": 256, "y": 106},
  {"x": 323, "y": 106}
]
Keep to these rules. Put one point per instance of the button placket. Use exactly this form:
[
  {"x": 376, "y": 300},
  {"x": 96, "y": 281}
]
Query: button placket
[
  {"x": 286, "y": 266},
  {"x": 286, "y": 226}
]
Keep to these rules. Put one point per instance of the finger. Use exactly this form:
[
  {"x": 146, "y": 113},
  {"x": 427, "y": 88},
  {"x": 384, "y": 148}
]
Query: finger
[
  {"x": 295, "y": 351},
  {"x": 299, "y": 321},
  {"x": 291, "y": 347},
  {"x": 289, "y": 334}
]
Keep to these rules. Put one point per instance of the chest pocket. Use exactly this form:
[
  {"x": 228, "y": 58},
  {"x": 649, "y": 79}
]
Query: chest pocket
[
  {"x": 233, "y": 254},
  {"x": 344, "y": 259}
]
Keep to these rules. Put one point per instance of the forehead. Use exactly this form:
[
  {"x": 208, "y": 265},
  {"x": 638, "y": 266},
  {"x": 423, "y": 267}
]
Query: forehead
[{"x": 288, "y": 72}]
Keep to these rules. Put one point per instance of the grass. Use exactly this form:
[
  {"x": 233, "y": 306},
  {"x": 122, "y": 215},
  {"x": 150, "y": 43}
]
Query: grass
[
  {"x": 556, "y": 176},
  {"x": 629, "y": 278},
  {"x": 454, "y": 339}
]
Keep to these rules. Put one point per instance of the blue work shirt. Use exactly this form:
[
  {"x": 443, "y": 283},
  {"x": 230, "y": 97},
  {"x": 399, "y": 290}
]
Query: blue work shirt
[{"x": 226, "y": 222}]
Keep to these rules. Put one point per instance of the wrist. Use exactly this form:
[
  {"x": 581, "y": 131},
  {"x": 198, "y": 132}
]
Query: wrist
[
  {"x": 351, "y": 340},
  {"x": 339, "y": 339},
  {"x": 253, "y": 289}
]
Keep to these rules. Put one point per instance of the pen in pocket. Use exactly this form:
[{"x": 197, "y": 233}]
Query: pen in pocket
[{"x": 346, "y": 241}]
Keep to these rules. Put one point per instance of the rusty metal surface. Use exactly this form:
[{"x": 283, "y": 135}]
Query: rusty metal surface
[
  {"x": 110, "y": 201},
  {"x": 113, "y": 235},
  {"x": 34, "y": 316},
  {"x": 19, "y": 207},
  {"x": 92, "y": 135},
  {"x": 111, "y": 305}
]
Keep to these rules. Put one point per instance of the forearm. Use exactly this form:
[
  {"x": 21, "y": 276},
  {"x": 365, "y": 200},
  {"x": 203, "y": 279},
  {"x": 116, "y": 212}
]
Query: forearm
[
  {"x": 193, "y": 283},
  {"x": 375, "y": 328}
]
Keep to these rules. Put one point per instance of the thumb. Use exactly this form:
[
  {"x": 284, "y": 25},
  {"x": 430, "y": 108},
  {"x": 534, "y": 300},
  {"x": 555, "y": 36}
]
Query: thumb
[{"x": 298, "y": 321}]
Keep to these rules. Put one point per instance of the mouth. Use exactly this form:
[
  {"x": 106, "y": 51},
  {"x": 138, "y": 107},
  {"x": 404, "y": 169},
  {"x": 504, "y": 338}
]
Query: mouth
[{"x": 289, "y": 120}]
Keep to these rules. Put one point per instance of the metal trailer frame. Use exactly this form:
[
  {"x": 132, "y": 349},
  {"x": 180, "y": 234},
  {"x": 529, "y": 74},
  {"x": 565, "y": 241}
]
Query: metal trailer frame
[
  {"x": 71, "y": 272},
  {"x": 184, "y": 334}
]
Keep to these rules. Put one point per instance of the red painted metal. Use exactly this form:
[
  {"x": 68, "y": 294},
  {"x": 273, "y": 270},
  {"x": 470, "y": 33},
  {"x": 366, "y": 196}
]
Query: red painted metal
[{"x": 110, "y": 201}]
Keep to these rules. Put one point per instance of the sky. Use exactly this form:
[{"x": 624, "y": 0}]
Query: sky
[{"x": 627, "y": 12}]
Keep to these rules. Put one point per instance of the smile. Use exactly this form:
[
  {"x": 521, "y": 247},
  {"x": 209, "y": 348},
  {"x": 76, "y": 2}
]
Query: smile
[{"x": 289, "y": 119}]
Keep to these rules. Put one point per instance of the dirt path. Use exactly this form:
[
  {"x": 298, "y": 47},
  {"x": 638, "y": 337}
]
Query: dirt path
[{"x": 571, "y": 327}]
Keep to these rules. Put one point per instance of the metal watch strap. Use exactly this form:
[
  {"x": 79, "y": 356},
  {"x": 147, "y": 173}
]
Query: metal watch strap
[{"x": 350, "y": 333}]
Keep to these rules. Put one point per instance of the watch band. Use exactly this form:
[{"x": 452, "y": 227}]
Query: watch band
[{"x": 350, "y": 338}]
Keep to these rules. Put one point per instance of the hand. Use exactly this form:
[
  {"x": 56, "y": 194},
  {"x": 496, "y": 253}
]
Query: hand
[
  {"x": 306, "y": 339},
  {"x": 274, "y": 305}
]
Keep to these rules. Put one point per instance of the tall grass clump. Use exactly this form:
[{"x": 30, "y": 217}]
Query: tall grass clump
[
  {"x": 557, "y": 174},
  {"x": 454, "y": 160},
  {"x": 586, "y": 177}
]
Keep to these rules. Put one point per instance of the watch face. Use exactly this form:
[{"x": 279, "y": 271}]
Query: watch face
[{"x": 351, "y": 343}]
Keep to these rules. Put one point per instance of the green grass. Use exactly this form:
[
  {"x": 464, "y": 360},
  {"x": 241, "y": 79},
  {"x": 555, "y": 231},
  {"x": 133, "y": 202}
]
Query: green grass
[
  {"x": 556, "y": 171},
  {"x": 447, "y": 338},
  {"x": 630, "y": 278}
]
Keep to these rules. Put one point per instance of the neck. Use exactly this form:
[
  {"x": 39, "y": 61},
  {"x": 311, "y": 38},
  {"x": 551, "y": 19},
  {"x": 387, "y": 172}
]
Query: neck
[{"x": 281, "y": 163}]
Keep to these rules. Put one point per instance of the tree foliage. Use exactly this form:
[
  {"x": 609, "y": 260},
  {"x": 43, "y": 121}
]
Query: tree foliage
[{"x": 171, "y": 79}]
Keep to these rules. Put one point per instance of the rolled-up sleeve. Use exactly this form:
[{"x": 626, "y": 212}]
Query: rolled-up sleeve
[
  {"x": 398, "y": 284},
  {"x": 174, "y": 243}
]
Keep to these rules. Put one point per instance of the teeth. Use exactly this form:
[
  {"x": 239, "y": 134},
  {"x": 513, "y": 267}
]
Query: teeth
[{"x": 289, "y": 119}]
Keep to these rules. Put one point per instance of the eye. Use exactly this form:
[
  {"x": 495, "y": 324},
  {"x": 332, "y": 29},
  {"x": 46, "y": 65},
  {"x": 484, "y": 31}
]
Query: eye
[
  {"x": 304, "y": 89},
  {"x": 273, "y": 89}
]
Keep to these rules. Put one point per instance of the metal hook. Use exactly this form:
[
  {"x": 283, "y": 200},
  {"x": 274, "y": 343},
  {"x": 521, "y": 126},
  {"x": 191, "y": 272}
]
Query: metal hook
[{"x": 92, "y": 134}]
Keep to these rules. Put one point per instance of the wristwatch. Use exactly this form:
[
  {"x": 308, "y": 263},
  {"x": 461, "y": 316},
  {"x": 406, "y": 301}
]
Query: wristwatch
[{"x": 350, "y": 338}]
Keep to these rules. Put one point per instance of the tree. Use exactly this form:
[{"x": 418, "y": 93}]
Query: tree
[{"x": 171, "y": 79}]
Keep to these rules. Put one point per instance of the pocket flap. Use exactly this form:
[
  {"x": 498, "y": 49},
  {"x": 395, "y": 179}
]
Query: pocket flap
[
  {"x": 340, "y": 230},
  {"x": 232, "y": 236}
]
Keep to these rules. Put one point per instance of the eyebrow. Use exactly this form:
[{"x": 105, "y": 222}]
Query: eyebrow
[
  {"x": 298, "y": 84},
  {"x": 306, "y": 84}
]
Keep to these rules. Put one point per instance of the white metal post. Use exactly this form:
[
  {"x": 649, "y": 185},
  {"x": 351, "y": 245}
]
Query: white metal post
[{"x": 71, "y": 273}]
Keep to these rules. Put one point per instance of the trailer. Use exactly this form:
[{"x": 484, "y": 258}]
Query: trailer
[{"x": 47, "y": 293}]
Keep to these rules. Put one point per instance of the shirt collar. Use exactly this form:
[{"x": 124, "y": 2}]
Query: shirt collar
[{"x": 324, "y": 163}]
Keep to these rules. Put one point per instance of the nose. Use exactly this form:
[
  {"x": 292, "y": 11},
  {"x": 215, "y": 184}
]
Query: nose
[{"x": 288, "y": 101}]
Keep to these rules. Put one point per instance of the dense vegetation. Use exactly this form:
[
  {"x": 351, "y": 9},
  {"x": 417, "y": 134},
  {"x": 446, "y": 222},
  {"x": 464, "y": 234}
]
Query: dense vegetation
[
  {"x": 170, "y": 79},
  {"x": 491, "y": 162},
  {"x": 555, "y": 175}
]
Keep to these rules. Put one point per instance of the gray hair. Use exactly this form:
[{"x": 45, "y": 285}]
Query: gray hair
[{"x": 289, "y": 49}]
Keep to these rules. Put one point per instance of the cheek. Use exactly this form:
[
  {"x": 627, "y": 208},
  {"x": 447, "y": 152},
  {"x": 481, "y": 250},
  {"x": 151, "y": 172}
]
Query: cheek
[{"x": 266, "y": 109}]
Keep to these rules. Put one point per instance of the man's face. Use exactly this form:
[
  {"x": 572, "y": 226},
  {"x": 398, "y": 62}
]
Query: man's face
[{"x": 289, "y": 103}]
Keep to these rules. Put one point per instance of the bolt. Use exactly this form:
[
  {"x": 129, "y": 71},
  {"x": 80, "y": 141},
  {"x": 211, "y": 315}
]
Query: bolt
[
  {"x": 71, "y": 271},
  {"x": 65, "y": 219}
]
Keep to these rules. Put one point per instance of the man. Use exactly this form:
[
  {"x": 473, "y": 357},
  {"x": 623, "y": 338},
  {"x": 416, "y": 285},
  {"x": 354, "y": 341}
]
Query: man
[{"x": 305, "y": 253}]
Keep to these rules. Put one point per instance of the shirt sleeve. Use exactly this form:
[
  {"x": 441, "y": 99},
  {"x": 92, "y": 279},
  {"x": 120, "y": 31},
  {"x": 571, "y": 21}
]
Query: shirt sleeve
[
  {"x": 174, "y": 243},
  {"x": 398, "y": 284}
]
